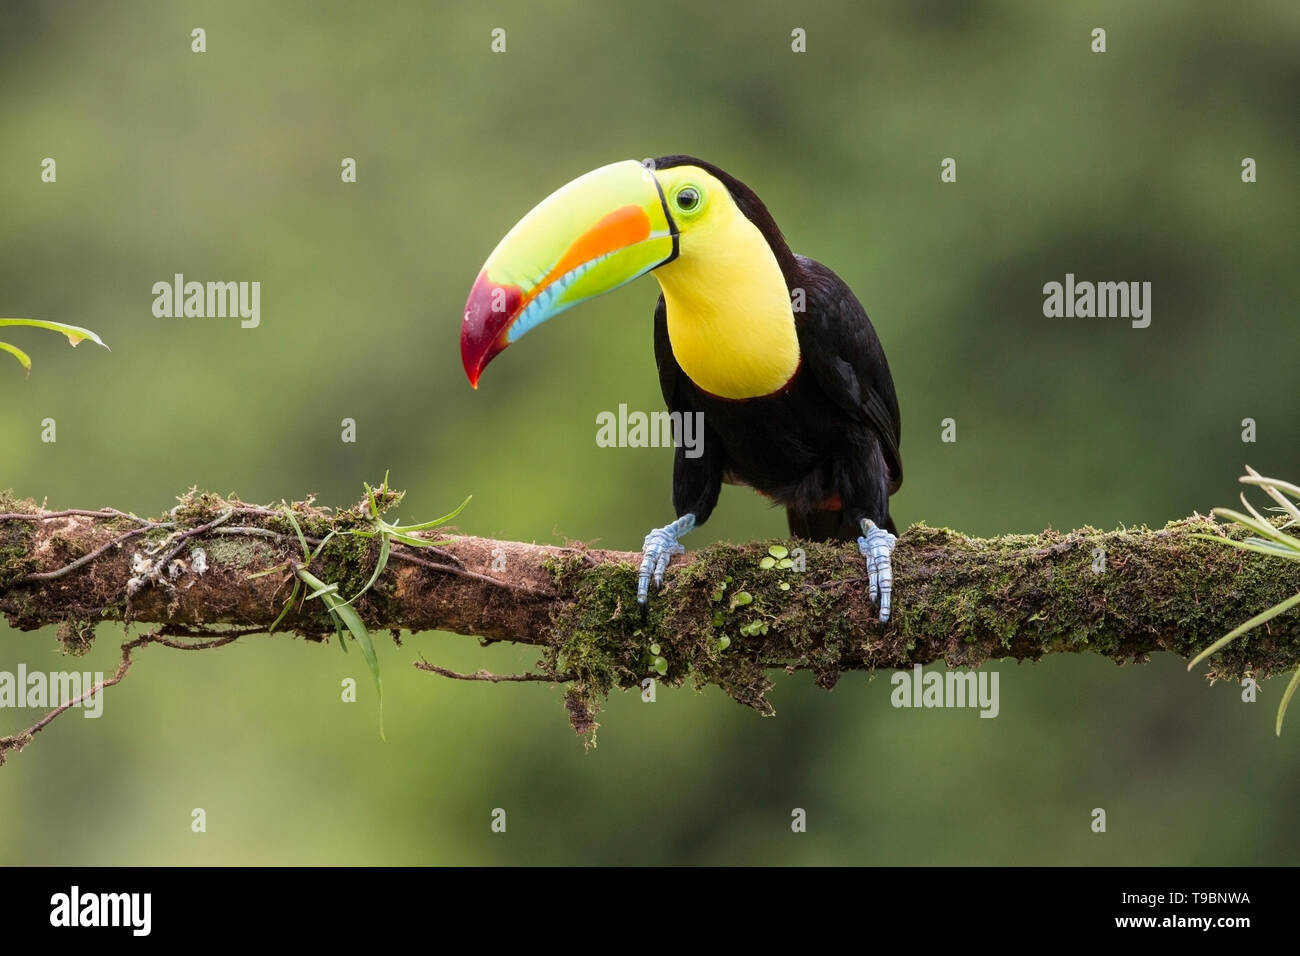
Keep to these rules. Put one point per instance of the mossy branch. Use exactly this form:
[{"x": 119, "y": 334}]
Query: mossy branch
[{"x": 722, "y": 619}]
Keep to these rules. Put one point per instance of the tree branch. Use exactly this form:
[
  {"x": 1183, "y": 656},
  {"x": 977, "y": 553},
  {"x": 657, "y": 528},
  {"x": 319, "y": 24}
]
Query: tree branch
[{"x": 722, "y": 619}]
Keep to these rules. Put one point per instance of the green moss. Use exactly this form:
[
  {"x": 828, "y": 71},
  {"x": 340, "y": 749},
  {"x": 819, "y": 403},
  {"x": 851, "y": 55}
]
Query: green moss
[
  {"x": 601, "y": 639},
  {"x": 1043, "y": 596},
  {"x": 1070, "y": 606},
  {"x": 198, "y": 507},
  {"x": 240, "y": 553},
  {"x": 804, "y": 625},
  {"x": 358, "y": 516},
  {"x": 12, "y": 504},
  {"x": 76, "y": 635},
  {"x": 315, "y": 522},
  {"x": 348, "y": 560},
  {"x": 16, "y": 539}
]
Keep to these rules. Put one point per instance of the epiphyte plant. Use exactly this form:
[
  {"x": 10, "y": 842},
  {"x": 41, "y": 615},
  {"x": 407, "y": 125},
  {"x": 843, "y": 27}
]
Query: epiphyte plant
[{"x": 76, "y": 335}]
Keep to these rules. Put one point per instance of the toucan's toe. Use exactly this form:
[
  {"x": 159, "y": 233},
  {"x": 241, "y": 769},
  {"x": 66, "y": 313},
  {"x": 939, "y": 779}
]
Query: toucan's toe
[
  {"x": 877, "y": 547},
  {"x": 660, "y": 546}
]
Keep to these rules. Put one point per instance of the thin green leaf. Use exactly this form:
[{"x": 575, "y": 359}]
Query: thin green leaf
[
  {"x": 370, "y": 493},
  {"x": 358, "y": 629},
  {"x": 1285, "y": 505},
  {"x": 306, "y": 551},
  {"x": 293, "y": 595},
  {"x": 1260, "y": 526},
  {"x": 1272, "y": 547},
  {"x": 261, "y": 574},
  {"x": 1286, "y": 699},
  {"x": 1255, "y": 478},
  {"x": 379, "y": 568},
  {"x": 1261, "y": 618},
  {"x": 1269, "y": 548},
  {"x": 1259, "y": 517},
  {"x": 76, "y": 335},
  {"x": 321, "y": 547},
  {"x": 310, "y": 579},
  {"x": 1236, "y": 517},
  {"x": 23, "y": 359},
  {"x": 425, "y": 526},
  {"x": 352, "y": 621},
  {"x": 416, "y": 542}
]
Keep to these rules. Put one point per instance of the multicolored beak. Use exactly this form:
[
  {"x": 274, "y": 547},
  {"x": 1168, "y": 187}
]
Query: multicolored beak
[{"x": 597, "y": 233}]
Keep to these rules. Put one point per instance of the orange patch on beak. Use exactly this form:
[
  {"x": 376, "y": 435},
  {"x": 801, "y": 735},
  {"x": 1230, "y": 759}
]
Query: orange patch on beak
[{"x": 620, "y": 228}]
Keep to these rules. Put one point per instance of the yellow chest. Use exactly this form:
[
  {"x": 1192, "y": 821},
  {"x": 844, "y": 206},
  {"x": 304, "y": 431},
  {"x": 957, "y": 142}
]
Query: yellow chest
[{"x": 730, "y": 322}]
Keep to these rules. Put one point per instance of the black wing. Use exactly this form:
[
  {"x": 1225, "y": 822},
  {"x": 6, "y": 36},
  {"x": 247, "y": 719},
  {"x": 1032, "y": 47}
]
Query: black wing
[{"x": 842, "y": 351}]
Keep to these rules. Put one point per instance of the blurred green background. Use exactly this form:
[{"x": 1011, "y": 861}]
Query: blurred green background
[{"x": 225, "y": 166}]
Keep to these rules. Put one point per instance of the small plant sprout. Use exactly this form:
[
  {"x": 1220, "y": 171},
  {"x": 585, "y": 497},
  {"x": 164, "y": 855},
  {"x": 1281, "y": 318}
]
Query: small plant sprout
[
  {"x": 1269, "y": 539},
  {"x": 76, "y": 335},
  {"x": 403, "y": 533},
  {"x": 778, "y": 556},
  {"x": 341, "y": 613}
]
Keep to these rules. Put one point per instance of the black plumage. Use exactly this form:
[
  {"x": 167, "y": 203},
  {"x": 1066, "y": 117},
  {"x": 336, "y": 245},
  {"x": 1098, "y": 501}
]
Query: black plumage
[{"x": 826, "y": 445}]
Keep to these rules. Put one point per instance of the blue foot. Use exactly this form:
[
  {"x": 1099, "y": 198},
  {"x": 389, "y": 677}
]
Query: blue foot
[
  {"x": 877, "y": 546},
  {"x": 660, "y": 545}
]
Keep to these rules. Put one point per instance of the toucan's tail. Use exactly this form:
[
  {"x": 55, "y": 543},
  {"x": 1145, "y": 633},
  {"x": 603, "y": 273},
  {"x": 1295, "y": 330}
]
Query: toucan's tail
[{"x": 826, "y": 525}]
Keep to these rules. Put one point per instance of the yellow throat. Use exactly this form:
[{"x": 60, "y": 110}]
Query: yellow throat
[{"x": 730, "y": 321}]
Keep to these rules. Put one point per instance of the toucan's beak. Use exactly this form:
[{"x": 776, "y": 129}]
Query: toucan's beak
[{"x": 597, "y": 233}]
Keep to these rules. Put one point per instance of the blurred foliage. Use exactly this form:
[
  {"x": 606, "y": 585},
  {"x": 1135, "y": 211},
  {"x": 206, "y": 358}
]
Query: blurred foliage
[{"x": 225, "y": 166}]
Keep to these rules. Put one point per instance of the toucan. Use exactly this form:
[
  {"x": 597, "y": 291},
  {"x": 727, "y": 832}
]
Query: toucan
[{"x": 771, "y": 347}]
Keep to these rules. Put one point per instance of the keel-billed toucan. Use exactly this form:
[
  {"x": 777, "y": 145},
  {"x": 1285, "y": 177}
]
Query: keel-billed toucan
[{"x": 770, "y": 346}]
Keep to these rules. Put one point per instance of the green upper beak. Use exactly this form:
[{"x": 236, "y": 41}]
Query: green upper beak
[{"x": 595, "y": 234}]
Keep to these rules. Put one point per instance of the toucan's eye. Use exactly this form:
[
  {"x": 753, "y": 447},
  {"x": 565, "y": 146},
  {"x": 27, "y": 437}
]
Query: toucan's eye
[{"x": 688, "y": 198}]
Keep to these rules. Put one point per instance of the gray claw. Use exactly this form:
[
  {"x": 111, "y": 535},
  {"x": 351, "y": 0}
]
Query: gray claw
[
  {"x": 660, "y": 546},
  {"x": 877, "y": 547}
]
